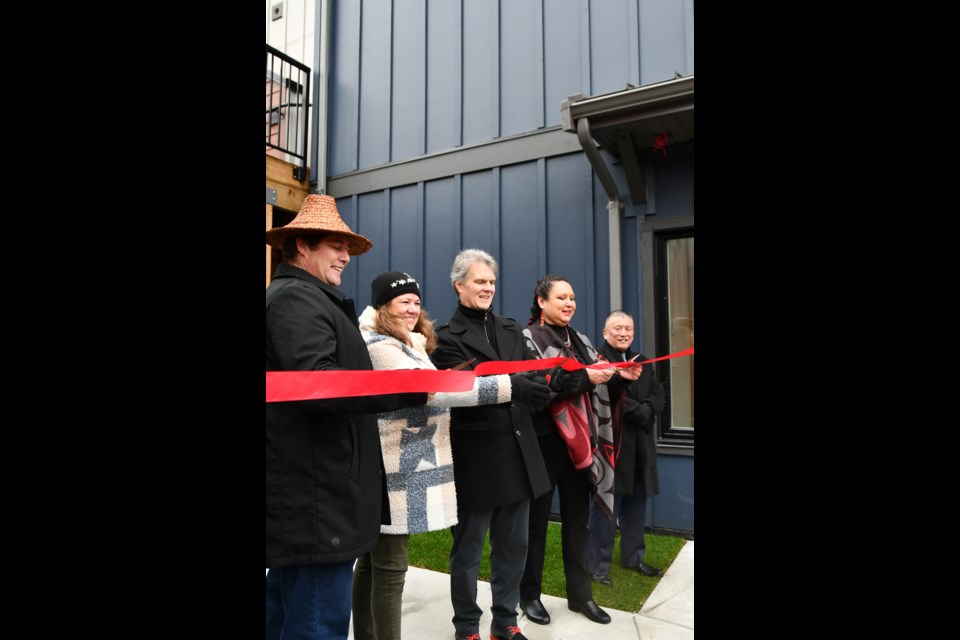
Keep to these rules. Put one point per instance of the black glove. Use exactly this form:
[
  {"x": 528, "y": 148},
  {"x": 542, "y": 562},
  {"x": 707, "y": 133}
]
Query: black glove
[
  {"x": 529, "y": 390},
  {"x": 646, "y": 412},
  {"x": 567, "y": 384},
  {"x": 639, "y": 412}
]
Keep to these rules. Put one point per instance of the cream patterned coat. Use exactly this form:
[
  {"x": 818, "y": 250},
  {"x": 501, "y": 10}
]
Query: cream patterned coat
[{"x": 416, "y": 441}]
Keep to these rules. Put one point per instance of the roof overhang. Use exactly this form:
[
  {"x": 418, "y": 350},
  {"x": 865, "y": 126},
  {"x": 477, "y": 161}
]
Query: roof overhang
[{"x": 624, "y": 123}]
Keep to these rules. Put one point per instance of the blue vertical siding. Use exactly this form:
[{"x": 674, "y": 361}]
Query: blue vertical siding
[
  {"x": 601, "y": 247},
  {"x": 569, "y": 232},
  {"x": 673, "y": 507},
  {"x": 563, "y": 35},
  {"x": 481, "y": 212},
  {"x": 406, "y": 233},
  {"x": 520, "y": 264},
  {"x": 481, "y": 66},
  {"x": 521, "y": 80},
  {"x": 611, "y": 39},
  {"x": 409, "y": 79},
  {"x": 442, "y": 226},
  {"x": 444, "y": 53},
  {"x": 417, "y": 76},
  {"x": 372, "y": 222},
  {"x": 375, "y": 82},
  {"x": 344, "y": 123},
  {"x": 663, "y": 48}
]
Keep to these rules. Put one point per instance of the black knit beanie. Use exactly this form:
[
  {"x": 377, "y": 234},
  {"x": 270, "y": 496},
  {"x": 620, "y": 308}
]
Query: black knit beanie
[{"x": 387, "y": 286}]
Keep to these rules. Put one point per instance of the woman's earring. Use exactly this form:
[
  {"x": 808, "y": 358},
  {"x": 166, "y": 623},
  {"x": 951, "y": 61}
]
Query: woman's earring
[{"x": 541, "y": 317}]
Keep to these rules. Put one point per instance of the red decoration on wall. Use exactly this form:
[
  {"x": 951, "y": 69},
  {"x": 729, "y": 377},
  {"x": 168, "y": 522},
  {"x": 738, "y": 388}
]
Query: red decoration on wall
[{"x": 660, "y": 142}]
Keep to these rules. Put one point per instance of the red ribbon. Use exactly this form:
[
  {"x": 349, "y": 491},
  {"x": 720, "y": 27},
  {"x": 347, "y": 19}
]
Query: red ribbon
[
  {"x": 496, "y": 367},
  {"x": 285, "y": 386},
  {"x": 516, "y": 366},
  {"x": 685, "y": 352}
]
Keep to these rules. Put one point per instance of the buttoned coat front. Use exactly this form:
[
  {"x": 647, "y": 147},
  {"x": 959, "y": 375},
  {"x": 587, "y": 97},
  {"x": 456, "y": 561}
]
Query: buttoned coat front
[
  {"x": 638, "y": 439},
  {"x": 325, "y": 490},
  {"x": 496, "y": 458}
]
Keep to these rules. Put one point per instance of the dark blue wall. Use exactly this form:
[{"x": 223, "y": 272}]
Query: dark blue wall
[
  {"x": 418, "y": 76},
  {"x": 410, "y": 77},
  {"x": 673, "y": 507}
]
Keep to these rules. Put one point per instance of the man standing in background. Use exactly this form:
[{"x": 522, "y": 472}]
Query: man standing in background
[{"x": 635, "y": 472}]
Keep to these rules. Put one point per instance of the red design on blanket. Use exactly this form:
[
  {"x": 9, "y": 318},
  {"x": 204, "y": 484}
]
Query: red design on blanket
[{"x": 573, "y": 425}]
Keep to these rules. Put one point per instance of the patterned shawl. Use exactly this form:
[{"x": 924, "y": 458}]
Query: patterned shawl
[{"x": 584, "y": 422}]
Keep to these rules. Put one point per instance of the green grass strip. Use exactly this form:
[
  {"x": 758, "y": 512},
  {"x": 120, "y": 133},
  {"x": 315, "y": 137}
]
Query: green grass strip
[{"x": 628, "y": 593}]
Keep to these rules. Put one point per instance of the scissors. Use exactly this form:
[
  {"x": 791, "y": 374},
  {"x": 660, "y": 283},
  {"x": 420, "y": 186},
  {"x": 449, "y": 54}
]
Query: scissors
[{"x": 466, "y": 363}]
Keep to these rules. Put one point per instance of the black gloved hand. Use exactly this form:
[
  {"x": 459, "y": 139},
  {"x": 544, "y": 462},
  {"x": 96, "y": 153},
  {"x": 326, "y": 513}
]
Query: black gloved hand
[
  {"x": 644, "y": 412},
  {"x": 638, "y": 413},
  {"x": 567, "y": 384},
  {"x": 530, "y": 390}
]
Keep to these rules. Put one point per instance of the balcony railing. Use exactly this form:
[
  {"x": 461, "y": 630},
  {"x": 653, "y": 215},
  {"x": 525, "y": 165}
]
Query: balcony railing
[{"x": 288, "y": 90}]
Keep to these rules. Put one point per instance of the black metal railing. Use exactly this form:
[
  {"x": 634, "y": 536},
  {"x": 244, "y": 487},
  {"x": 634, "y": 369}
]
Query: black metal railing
[{"x": 288, "y": 91}]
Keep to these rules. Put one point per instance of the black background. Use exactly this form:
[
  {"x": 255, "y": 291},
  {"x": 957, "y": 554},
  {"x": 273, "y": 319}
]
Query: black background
[{"x": 184, "y": 225}]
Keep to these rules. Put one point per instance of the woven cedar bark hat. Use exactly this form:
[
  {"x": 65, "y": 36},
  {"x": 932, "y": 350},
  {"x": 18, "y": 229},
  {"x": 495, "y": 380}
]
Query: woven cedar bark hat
[{"x": 318, "y": 214}]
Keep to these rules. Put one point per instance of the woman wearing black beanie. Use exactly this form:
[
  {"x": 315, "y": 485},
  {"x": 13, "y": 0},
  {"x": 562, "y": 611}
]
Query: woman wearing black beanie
[{"x": 416, "y": 451}]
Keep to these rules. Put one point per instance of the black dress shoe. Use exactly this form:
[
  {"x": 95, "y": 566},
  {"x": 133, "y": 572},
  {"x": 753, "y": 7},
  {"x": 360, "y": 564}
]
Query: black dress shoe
[
  {"x": 591, "y": 610},
  {"x": 647, "y": 570},
  {"x": 602, "y": 580},
  {"x": 535, "y": 611}
]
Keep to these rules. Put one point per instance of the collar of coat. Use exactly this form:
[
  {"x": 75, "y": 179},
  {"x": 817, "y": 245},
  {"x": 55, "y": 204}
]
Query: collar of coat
[
  {"x": 285, "y": 270},
  {"x": 613, "y": 354},
  {"x": 460, "y": 324}
]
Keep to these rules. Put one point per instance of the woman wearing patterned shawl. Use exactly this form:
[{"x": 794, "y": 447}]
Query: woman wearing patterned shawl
[{"x": 576, "y": 438}]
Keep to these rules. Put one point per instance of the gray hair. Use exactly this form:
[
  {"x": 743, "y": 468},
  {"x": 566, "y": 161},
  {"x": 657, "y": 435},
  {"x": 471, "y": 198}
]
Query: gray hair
[
  {"x": 616, "y": 312},
  {"x": 465, "y": 260}
]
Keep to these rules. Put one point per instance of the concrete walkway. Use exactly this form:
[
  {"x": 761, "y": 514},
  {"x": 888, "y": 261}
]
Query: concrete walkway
[{"x": 666, "y": 615}]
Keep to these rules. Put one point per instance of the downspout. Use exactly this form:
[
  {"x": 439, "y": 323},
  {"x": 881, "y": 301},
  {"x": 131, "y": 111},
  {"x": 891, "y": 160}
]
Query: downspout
[
  {"x": 321, "y": 95},
  {"x": 613, "y": 209}
]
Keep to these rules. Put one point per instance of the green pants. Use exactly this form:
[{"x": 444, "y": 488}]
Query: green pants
[{"x": 378, "y": 589}]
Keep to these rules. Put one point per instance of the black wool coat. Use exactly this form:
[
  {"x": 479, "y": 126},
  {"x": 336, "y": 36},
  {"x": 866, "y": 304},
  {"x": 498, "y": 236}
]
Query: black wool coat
[
  {"x": 325, "y": 489},
  {"x": 638, "y": 439},
  {"x": 496, "y": 457}
]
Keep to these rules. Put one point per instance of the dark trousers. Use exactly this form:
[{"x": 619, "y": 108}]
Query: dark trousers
[
  {"x": 309, "y": 602},
  {"x": 378, "y": 582},
  {"x": 574, "y": 489},
  {"x": 508, "y": 551},
  {"x": 631, "y": 511}
]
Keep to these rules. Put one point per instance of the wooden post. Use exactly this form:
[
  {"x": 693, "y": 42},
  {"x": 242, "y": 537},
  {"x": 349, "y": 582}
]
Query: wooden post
[
  {"x": 290, "y": 195},
  {"x": 269, "y": 248}
]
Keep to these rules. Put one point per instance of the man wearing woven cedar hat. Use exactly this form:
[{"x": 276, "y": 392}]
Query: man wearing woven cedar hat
[{"x": 325, "y": 490}]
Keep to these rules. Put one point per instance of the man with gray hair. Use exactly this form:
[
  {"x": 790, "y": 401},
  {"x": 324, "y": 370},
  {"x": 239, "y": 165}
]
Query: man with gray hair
[
  {"x": 635, "y": 476},
  {"x": 497, "y": 464}
]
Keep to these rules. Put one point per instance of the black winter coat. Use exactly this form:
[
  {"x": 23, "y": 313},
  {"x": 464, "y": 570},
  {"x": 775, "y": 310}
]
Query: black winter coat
[
  {"x": 638, "y": 439},
  {"x": 496, "y": 457},
  {"x": 325, "y": 489}
]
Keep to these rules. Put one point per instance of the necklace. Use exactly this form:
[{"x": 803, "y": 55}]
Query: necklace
[{"x": 567, "y": 341}]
